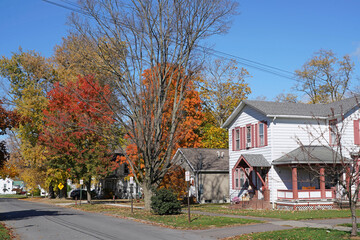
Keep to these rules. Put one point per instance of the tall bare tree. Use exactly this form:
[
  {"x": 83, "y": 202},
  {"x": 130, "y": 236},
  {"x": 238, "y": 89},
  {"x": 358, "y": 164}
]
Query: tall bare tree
[
  {"x": 343, "y": 169},
  {"x": 162, "y": 36},
  {"x": 222, "y": 88},
  {"x": 325, "y": 78}
]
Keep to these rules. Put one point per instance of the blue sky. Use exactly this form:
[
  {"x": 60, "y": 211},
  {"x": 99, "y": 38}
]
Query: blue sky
[{"x": 282, "y": 34}]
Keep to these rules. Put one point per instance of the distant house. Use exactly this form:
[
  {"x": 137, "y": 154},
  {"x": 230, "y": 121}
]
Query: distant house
[
  {"x": 209, "y": 169},
  {"x": 117, "y": 183},
  {"x": 6, "y": 186},
  {"x": 267, "y": 163}
]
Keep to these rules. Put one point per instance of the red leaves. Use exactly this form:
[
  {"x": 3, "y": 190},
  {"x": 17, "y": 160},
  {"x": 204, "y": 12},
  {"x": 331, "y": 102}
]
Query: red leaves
[
  {"x": 8, "y": 119},
  {"x": 75, "y": 123}
]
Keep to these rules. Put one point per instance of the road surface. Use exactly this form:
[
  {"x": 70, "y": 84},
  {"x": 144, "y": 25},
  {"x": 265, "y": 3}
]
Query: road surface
[{"x": 35, "y": 221}]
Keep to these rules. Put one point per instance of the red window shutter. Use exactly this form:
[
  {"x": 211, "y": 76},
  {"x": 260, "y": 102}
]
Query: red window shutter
[
  {"x": 265, "y": 134},
  {"x": 252, "y": 136},
  {"x": 356, "y": 132},
  {"x": 240, "y": 132},
  {"x": 233, "y": 139},
  {"x": 256, "y": 135},
  {"x": 243, "y": 135}
]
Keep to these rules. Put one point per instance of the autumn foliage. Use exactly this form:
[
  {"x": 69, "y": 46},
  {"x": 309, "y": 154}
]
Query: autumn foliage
[
  {"x": 77, "y": 123},
  {"x": 8, "y": 120},
  {"x": 187, "y": 130}
]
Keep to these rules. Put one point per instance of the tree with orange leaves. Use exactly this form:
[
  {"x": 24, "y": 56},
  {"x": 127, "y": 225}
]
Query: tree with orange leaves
[{"x": 186, "y": 134}]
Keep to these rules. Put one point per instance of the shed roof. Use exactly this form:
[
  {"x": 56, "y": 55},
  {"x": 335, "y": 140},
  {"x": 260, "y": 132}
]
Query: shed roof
[
  {"x": 310, "y": 155},
  {"x": 205, "y": 159}
]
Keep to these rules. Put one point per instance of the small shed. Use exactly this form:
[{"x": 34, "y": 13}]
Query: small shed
[{"x": 209, "y": 169}]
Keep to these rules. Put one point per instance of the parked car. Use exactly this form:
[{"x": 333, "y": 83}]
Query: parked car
[{"x": 75, "y": 194}]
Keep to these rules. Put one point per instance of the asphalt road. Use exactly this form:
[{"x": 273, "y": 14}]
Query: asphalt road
[{"x": 35, "y": 221}]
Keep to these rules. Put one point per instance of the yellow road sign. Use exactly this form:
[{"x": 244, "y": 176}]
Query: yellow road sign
[{"x": 61, "y": 186}]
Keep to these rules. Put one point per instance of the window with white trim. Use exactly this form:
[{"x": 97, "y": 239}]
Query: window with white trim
[
  {"x": 248, "y": 136},
  {"x": 236, "y": 179},
  {"x": 261, "y": 134}
]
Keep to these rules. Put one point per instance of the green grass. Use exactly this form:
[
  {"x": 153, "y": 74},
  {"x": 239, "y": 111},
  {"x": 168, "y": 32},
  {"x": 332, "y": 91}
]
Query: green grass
[
  {"x": 349, "y": 225},
  {"x": 12, "y": 196},
  {"x": 4, "y": 232},
  {"x": 297, "y": 233},
  {"x": 177, "y": 221},
  {"x": 286, "y": 215}
]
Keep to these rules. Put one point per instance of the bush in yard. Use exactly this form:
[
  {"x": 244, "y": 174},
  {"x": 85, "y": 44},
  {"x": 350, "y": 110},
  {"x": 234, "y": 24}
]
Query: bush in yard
[{"x": 164, "y": 202}]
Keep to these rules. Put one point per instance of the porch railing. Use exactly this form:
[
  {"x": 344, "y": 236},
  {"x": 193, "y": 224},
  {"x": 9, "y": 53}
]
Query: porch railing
[{"x": 311, "y": 194}]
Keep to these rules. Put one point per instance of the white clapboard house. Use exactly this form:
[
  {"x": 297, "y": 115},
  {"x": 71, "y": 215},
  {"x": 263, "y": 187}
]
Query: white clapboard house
[{"x": 272, "y": 145}]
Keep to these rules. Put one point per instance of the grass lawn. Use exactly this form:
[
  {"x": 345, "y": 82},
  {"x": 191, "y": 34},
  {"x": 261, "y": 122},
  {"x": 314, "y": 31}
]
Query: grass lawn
[
  {"x": 287, "y": 215},
  {"x": 297, "y": 233},
  {"x": 177, "y": 221},
  {"x": 349, "y": 225},
  {"x": 5, "y": 233},
  {"x": 12, "y": 196}
]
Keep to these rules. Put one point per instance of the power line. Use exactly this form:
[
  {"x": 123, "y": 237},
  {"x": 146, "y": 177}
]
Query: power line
[{"x": 241, "y": 60}]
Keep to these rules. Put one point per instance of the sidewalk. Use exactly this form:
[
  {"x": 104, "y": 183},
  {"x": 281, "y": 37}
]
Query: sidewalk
[{"x": 270, "y": 224}]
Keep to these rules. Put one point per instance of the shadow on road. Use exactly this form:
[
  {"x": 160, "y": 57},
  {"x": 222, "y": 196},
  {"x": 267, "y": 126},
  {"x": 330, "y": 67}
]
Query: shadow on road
[{"x": 24, "y": 214}]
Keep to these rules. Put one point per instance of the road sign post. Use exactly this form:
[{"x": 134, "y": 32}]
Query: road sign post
[
  {"x": 131, "y": 192},
  {"x": 61, "y": 186},
  {"x": 81, "y": 183},
  {"x": 187, "y": 179}
]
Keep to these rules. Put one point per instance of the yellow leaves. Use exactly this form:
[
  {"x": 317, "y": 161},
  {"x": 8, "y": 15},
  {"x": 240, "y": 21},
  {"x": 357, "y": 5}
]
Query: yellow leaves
[
  {"x": 215, "y": 137},
  {"x": 222, "y": 87},
  {"x": 55, "y": 176},
  {"x": 324, "y": 78}
]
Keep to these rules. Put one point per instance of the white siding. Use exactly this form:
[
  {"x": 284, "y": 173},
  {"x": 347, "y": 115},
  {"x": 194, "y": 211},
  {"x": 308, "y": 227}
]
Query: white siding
[
  {"x": 285, "y": 135},
  {"x": 247, "y": 116}
]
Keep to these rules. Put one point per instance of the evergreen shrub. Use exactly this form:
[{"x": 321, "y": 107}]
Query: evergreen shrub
[{"x": 164, "y": 202}]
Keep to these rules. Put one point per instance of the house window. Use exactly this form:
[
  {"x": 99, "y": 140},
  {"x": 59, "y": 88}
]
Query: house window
[
  {"x": 237, "y": 139},
  {"x": 261, "y": 134},
  {"x": 242, "y": 178},
  {"x": 333, "y": 132},
  {"x": 236, "y": 179},
  {"x": 248, "y": 136}
]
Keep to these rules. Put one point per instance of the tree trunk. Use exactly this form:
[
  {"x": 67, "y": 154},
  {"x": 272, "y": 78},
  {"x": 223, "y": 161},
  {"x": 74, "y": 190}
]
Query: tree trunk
[
  {"x": 51, "y": 191},
  {"x": 88, "y": 190},
  {"x": 64, "y": 191},
  {"x": 353, "y": 218},
  {"x": 148, "y": 193}
]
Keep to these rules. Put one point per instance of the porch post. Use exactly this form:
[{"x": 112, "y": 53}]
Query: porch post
[
  {"x": 294, "y": 183},
  {"x": 322, "y": 182}
]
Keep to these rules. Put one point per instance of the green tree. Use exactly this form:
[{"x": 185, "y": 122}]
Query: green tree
[{"x": 325, "y": 78}]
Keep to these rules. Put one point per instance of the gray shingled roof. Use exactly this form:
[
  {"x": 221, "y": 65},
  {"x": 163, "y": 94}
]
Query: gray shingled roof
[
  {"x": 256, "y": 160},
  {"x": 271, "y": 109},
  {"x": 309, "y": 155},
  {"x": 301, "y": 109},
  {"x": 208, "y": 157}
]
